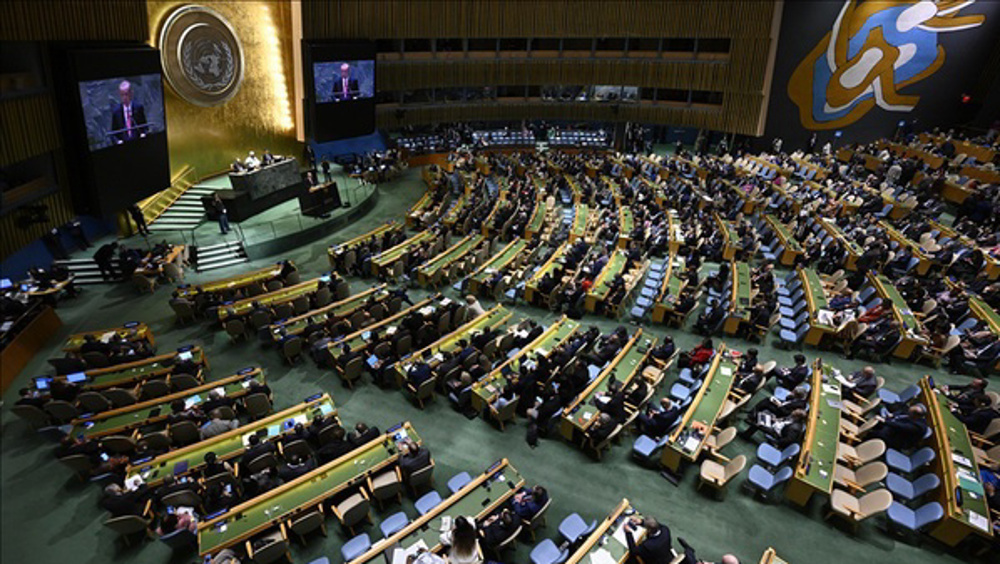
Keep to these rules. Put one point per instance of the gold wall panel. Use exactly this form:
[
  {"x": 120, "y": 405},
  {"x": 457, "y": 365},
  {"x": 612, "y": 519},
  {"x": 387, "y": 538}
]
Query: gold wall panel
[
  {"x": 260, "y": 116},
  {"x": 28, "y": 127},
  {"x": 63, "y": 20}
]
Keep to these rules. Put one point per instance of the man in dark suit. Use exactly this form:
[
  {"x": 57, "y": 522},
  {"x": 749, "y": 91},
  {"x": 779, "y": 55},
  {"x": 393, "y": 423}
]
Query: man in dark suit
[
  {"x": 345, "y": 87},
  {"x": 413, "y": 458},
  {"x": 654, "y": 548},
  {"x": 420, "y": 372},
  {"x": 656, "y": 423},
  {"x": 128, "y": 121},
  {"x": 256, "y": 449},
  {"x": 903, "y": 431},
  {"x": 862, "y": 384}
]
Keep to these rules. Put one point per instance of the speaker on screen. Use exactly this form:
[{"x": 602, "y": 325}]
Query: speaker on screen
[{"x": 341, "y": 93}]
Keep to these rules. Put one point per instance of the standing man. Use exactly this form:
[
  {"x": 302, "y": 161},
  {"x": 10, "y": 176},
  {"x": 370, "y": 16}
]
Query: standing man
[
  {"x": 139, "y": 219},
  {"x": 345, "y": 88},
  {"x": 128, "y": 121},
  {"x": 103, "y": 258},
  {"x": 654, "y": 548},
  {"x": 221, "y": 215},
  {"x": 326, "y": 170}
]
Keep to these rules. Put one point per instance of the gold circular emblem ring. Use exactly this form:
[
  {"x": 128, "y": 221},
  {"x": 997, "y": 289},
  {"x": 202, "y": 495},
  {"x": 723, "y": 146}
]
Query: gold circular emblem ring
[{"x": 201, "y": 56}]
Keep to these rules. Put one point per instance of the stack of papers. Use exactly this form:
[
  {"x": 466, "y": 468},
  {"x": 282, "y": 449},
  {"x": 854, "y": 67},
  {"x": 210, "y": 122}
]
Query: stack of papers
[{"x": 602, "y": 556}]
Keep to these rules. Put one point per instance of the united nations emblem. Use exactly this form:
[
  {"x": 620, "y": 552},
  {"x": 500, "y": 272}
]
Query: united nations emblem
[{"x": 202, "y": 57}]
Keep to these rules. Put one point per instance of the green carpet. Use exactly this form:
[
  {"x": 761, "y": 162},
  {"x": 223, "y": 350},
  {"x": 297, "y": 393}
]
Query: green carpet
[{"x": 49, "y": 517}]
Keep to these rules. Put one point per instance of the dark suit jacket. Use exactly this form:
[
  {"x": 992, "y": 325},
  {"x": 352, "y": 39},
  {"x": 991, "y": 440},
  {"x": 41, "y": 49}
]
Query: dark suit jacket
[
  {"x": 138, "y": 122},
  {"x": 352, "y": 87},
  {"x": 655, "y": 549},
  {"x": 414, "y": 462}
]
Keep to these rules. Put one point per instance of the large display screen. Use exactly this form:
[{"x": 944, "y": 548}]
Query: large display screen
[
  {"x": 341, "y": 99},
  {"x": 113, "y": 99},
  {"x": 121, "y": 109},
  {"x": 344, "y": 81}
]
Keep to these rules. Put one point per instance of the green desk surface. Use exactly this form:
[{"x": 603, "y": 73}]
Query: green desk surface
[
  {"x": 500, "y": 260},
  {"x": 675, "y": 235},
  {"x": 422, "y": 203},
  {"x": 97, "y": 425},
  {"x": 393, "y": 254},
  {"x": 75, "y": 341},
  {"x": 623, "y": 371},
  {"x": 741, "y": 279},
  {"x": 972, "y": 485},
  {"x": 580, "y": 220},
  {"x": 456, "y": 208},
  {"x": 550, "y": 265},
  {"x": 453, "y": 253},
  {"x": 347, "y": 306},
  {"x": 277, "y": 505},
  {"x": 239, "y": 281},
  {"x": 815, "y": 468},
  {"x": 271, "y": 298},
  {"x": 357, "y": 339},
  {"x": 493, "y": 383},
  {"x": 476, "y": 500},
  {"x": 139, "y": 370},
  {"x": 672, "y": 284},
  {"x": 814, "y": 289},
  {"x": 615, "y": 266},
  {"x": 626, "y": 221},
  {"x": 984, "y": 312},
  {"x": 705, "y": 410},
  {"x": 347, "y": 245},
  {"x": 448, "y": 343},
  {"x": 890, "y": 293},
  {"x": 230, "y": 444},
  {"x": 537, "y": 218},
  {"x": 611, "y": 540},
  {"x": 786, "y": 236},
  {"x": 732, "y": 237},
  {"x": 852, "y": 247}
]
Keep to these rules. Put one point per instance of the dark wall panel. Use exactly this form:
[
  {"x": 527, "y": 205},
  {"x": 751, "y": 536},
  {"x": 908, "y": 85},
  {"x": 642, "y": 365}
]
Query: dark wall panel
[{"x": 921, "y": 72}]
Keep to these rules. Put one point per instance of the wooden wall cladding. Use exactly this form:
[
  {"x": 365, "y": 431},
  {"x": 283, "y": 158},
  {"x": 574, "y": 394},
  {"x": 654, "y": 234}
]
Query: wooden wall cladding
[
  {"x": 740, "y": 77},
  {"x": 28, "y": 126},
  {"x": 545, "y": 18},
  {"x": 66, "y": 20}
]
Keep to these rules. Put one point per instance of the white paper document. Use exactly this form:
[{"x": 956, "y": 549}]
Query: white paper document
[{"x": 602, "y": 556}]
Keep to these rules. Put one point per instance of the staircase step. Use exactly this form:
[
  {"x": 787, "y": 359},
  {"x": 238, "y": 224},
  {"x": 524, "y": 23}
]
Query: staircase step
[
  {"x": 203, "y": 248},
  {"x": 223, "y": 264},
  {"x": 176, "y": 213}
]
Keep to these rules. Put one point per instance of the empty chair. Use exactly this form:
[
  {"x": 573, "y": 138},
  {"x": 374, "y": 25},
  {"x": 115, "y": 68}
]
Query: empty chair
[
  {"x": 184, "y": 433},
  {"x": 458, "y": 481},
  {"x": 262, "y": 462},
  {"x": 909, "y": 463},
  {"x": 119, "y": 397},
  {"x": 423, "y": 392},
  {"x": 421, "y": 478},
  {"x": 352, "y": 371},
  {"x": 717, "y": 475},
  {"x": 153, "y": 389},
  {"x": 61, "y": 411},
  {"x": 93, "y": 402},
  {"x": 257, "y": 405},
  {"x": 270, "y": 548},
  {"x": 386, "y": 486},
  {"x": 183, "y": 498},
  {"x": 180, "y": 540},
  {"x": 546, "y": 552},
  {"x": 393, "y": 524},
  {"x": 574, "y": 528},
  {"x": 862, "y": 454},
  {"x": 914, "y": 520},
  {"x": 857, "y": 509},
  {"x": 906, "y": 490},
  {"x": 353, "y": 510},
  {"x": 774, "y": 457},
  {"x": 858, "y": 480},
  {"x": 427, "y": 502},
  {"x": 308, "y": 522},
  {"x": 236, "y": 329},
  {"x": 716, "y": 441},
  {"x": 762, "y": 481},
  {"x": 291, "y": 349},
  {"x": 181, "y": 382},
  {"x": 128, "y": 526},
  {"x": 890, "y": 397}
]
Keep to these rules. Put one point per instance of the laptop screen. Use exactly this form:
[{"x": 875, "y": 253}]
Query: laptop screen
[
  {"x": 5, "y": 283},
  {"x": 76, "y": 377},
  {"x": 42, "y": 383}
]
